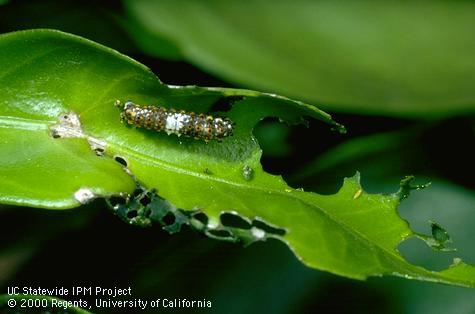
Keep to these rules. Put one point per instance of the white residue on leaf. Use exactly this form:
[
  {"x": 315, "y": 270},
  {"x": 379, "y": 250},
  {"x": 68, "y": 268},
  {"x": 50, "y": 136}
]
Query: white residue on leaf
[
  {"x": 50, "y": 108},
  {"x": 84, "y": 195},
  {"x": 257, "y": 233},
  {"x": 69, "y": 126},
  {"x": 97, "y": 145}
]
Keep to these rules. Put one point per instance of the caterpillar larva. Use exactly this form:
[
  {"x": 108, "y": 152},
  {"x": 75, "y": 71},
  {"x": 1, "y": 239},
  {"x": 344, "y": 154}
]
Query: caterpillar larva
[{"x": 199, "y": 126}]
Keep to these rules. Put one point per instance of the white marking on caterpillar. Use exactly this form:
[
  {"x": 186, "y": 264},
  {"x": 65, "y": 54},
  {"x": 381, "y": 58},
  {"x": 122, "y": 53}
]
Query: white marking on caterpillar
[{"x": 199, "y": 126}]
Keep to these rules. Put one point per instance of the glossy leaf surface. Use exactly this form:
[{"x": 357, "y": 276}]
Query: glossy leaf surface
[{"x": 60, "y": 134}]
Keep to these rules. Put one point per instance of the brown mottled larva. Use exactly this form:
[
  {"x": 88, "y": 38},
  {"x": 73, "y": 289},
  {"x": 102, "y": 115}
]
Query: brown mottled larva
[{"x": 199, "y": 126}]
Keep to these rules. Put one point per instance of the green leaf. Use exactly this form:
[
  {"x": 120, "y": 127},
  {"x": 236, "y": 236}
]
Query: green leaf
[
  {"x": 60, "y": 133},
  {"x": 394, "y": 58},
  {"x": 45, "y": 303},
  {"x": 151, "y": 42}
]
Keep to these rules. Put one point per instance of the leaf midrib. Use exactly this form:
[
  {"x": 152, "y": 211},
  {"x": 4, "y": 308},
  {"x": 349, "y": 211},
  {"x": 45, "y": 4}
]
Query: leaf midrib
[
  {"x": 37, "y": 125},
  {"x": 24, "y": 123}
]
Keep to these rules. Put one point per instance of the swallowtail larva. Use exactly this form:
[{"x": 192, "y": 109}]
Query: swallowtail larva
[{"x": 189, "y": 124}]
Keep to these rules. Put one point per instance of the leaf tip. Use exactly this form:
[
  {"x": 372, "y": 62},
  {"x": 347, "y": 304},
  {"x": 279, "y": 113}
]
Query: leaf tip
[
  {"x": 340, "y": 128},
  {"x": 356, "y": 178}
]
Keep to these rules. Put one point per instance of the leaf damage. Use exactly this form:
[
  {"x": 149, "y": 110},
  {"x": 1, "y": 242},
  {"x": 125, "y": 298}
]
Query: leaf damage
[
  {"x": 351, "y": 233},
  {"x": 84, "y": 195},
  {"x": 145, "y": 208},
  {"x": 69, "y": 126}
]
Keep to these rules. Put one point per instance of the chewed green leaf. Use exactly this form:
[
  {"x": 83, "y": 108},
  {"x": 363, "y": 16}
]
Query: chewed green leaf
[
  {"x": 439, "y": 240},
  {"x": 63, "y": 143},
  {"x": 376, "y": 224}
]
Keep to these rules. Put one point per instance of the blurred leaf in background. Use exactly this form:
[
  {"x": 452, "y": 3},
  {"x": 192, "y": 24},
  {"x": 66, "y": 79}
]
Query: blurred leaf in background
[
  {"x": 411, "y": 58},
  {"x": 91, "y": 19}
]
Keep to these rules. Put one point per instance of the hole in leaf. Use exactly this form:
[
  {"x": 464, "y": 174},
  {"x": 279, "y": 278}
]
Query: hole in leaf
[
  {"x": 121, "y": 161},
  {"x": 225, "y": 103},
  {"x": 169, "y": 219},
  {"x": 145, "y": 200},
  {"x": 132, "y": 214},
  {"x": 116, "y": 200},
  {"x": 55, "y": 134},
  {"x": 234, "y": 221},
  {"x": 419, "y": 253},
  {"x": 137, "y": 193},
  {"x": 99, "y": 151},
  {"x": 220, "y": 233},
  {"x": 267, "y": 228},
  {"x": 273, "y": 137},
  {"x": 291, "y": 151},
  {"x": 201, "y": 217}
]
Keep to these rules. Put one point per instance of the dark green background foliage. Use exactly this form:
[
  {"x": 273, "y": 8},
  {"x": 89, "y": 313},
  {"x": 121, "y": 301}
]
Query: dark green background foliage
[{"x": 399, "y": 76}]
